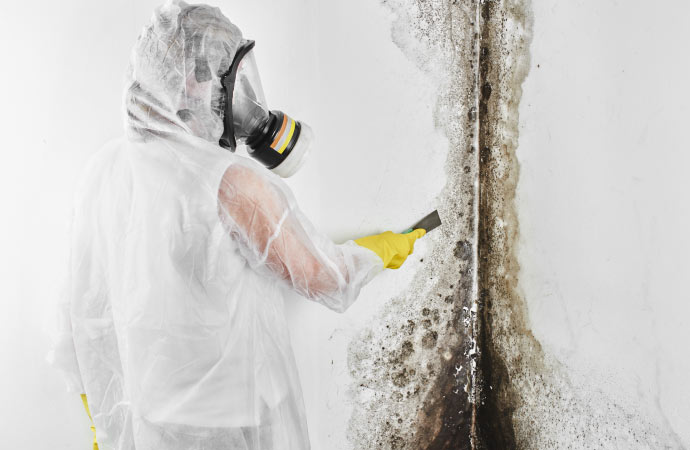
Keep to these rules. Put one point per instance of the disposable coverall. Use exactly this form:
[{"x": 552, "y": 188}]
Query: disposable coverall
[{"x": 181, "y": 255}]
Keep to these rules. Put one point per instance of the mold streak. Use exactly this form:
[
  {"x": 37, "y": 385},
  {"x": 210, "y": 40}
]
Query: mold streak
[
  {"x": 421, "y": 380},
  {"x": 452, "y": 363},
  {"x": 526, "y": 398},
  {"x": 413, "y": 367},
  {"x": 504, "y": 39}
]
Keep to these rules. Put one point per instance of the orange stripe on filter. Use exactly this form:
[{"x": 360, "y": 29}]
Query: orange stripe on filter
[
  {"x": 288, "y": 137},
  {"x": 280, "y": 133}
]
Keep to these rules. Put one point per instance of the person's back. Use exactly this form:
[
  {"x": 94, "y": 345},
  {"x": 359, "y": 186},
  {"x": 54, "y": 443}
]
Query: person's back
[
  {"x": 165, "y": 309},
  {"x": 181, "y": 255}
]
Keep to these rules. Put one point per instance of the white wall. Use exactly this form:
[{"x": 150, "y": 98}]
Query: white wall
[
  {"x": 603, "y": 204},
  {"x": 331, "y": 64}
]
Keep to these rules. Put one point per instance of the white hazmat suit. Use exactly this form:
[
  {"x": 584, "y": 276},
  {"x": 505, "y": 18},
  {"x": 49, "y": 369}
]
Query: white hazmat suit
[{"x": 181, "y": 255}]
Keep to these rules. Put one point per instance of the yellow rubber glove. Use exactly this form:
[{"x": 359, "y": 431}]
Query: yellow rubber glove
[
  {"x": 93, "y": 427},
  {"x": 392, "y": 248}
]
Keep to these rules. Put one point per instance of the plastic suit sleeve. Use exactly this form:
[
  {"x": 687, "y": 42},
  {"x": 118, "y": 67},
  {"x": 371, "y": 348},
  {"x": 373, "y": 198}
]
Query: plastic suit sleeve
[{"x": 278, "y": 240}]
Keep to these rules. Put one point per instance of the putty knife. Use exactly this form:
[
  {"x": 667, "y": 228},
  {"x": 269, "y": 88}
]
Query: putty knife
[{"x": 428, "y": 223}]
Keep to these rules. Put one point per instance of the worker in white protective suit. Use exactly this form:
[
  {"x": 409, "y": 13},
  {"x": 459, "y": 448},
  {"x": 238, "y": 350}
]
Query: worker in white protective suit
[{"x": 182, "y": 252}]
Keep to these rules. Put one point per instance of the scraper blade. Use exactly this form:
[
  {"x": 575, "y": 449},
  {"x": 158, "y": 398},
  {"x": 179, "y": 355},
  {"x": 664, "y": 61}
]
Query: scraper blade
[{"x": 428, "y": 223}]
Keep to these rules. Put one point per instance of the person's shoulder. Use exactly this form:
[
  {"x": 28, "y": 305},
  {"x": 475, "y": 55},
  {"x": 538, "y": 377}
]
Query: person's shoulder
[
  {"x": 97, "y": 164},
  {"x": 254, "y": 182},
  {"x": 104, "y": 155},
  {"x": 242, "y": 173},
  {"x": 247, "y": 175}
]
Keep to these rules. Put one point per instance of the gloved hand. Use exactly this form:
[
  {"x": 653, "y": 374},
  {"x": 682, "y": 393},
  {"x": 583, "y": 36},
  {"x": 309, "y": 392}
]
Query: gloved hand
[{"x": 392, "y": 248}]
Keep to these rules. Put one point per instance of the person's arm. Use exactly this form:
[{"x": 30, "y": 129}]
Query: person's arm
[{"x": 277, "y": 239}]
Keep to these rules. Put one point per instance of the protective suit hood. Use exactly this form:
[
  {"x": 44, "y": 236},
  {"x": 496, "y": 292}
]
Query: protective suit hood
[
  {"x": 191, "y": 72},
  {"x": 173, "y": 83}
]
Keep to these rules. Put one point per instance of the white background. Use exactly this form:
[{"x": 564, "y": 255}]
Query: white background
[{"x": 331, "y": 64}]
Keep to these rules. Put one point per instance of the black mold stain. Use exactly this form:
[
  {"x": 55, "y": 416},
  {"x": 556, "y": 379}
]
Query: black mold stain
[
  {"x": 526, "y": 400},
  {"x": 494, "y": 424},
  {"x": 446, "y": 417},
  {"x": 497, "y": 266},
  {"x": 417, "y": 374},
  {"x": 463, "y": 250},
  {"x": 471, "y": 313},
  {"x": 445, "y": 421},
  {"x": 484, "y": 421}
]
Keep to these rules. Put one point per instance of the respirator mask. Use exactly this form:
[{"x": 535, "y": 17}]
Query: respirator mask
[{"x": 273, "y": 138}]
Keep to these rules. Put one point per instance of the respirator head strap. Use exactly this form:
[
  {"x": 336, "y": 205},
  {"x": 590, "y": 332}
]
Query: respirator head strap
[{"x": 227, "y": 140}]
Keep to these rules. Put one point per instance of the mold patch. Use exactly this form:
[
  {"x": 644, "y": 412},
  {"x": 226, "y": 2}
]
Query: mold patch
[
  {"x": 527, "y": 399},
  {"x": 503, "y": 65},
  {"x": 413, "y": 365},
  {"x": 452, "y": 363}
]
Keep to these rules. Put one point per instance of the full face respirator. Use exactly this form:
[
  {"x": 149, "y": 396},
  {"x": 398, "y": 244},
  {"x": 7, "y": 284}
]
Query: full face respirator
[{"x": 273, "y": 138}]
